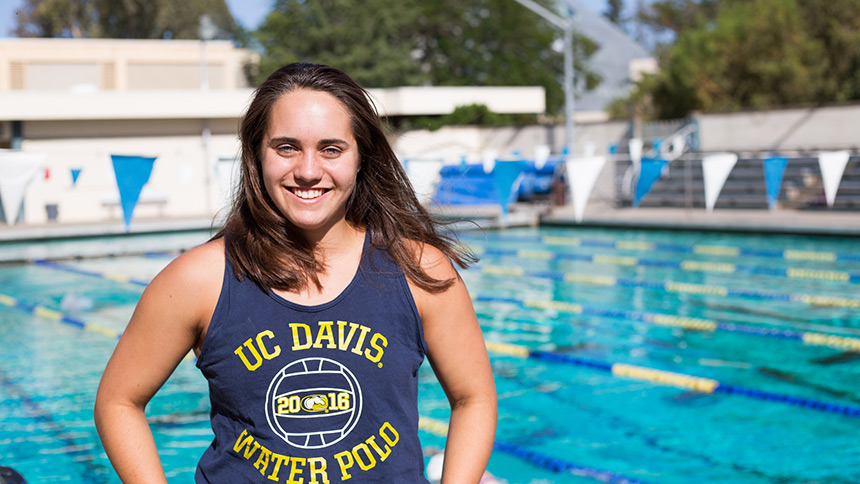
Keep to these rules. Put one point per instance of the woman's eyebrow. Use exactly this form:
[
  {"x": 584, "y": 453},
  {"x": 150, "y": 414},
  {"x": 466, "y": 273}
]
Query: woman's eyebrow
[
  {"x": 333, "y": 141},
  {"x": 283, "y": 139}
]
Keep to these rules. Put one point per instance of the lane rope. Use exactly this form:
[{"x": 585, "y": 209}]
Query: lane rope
[
  {"x": 669, "y": 287},
  {"x": 58, "y": 316},
  {"x": 678, "y": 380},
  {"x": 844, "y": 343},
  {"x": 701, "y": 249}
]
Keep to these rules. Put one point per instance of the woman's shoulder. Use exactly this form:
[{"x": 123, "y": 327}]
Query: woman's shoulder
[
  {"x": 432, "y": 260},
  {"x": 198, "y": 269}
]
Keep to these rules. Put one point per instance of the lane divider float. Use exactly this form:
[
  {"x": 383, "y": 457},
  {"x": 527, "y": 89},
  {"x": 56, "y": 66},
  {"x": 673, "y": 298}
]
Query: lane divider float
[
  {"x": 54, "y": 315},
  {"x": 678, "y": 380},
  {"x": 670, "y": 287},
  {"x": 844, "y": 343},
  {"x": 702, "y": 249}
]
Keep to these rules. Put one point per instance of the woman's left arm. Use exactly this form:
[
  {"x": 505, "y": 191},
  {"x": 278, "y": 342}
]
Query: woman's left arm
[{"x": 457, "y": 353}]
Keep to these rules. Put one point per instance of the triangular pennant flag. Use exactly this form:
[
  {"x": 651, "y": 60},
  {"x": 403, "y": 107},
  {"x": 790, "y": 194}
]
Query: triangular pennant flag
[
  {"x": 17, "y": 170},
  {"x": 424, "y": 177},
  {"x": 132, "y": 173},
  {"x": 582, "y": 173},
  {"x": 832, "y": 165},
  {"x": 506, "y": 177},
  {"x": 228, "y": 174},
  {"x": 774, "y": 168},
  {"x": 650, "y": 171},
  {"x": 635, "y": 148},
  {"x": 715, "y": 171},
  {"x": 488, "y": 160},
  {"x": 76, "y": 173},
  {"x": 541, "y": 156}
]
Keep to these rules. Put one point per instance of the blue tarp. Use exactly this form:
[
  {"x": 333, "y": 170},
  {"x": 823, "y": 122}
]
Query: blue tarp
[{"x": 467, "y": 184}]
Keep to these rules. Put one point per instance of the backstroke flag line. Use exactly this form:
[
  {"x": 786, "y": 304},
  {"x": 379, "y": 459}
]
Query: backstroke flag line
[
  {"x": 832, "y": 165},
  {"x": 582, "y": 171},
  {"x": 17, "y": 170},
  {"x": 650, "y": 171},
  {"x": 774, "y": 169},
  {"x": 132, "y": 173}
]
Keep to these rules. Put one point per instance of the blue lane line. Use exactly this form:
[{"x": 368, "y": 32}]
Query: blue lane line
[
  {"x": 558, "y": 466},
  {"x": 59, "y": 432}
]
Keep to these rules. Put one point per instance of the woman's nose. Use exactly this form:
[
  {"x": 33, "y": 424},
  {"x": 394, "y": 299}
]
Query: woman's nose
[{"x": 308, "y": 168}]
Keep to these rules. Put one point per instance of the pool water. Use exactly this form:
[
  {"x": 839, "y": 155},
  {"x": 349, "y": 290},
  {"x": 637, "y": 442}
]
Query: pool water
[{"x": 767, "y": 325}]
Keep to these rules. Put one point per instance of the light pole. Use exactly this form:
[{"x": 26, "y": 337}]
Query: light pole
[
  {"x": 207, "y": 31},
  {"x": 566, "y": 25}
]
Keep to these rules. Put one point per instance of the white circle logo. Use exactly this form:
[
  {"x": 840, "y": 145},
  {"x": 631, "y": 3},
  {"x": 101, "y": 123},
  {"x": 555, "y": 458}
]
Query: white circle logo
[{"x": 313, "y": 403}]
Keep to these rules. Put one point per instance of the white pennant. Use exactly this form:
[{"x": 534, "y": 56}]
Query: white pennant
[
  {"x": 635, "y": 148},
  {"x": 17, "y": 169},
  {"x": 832, "y": 165},
  {"x": 582, "y": 171},
  {"x": 488, "y": 160},
  {"x": 541, "y": 155},
  {"x": 424, "y": 176},
  {"x": 715, "y": 170}
]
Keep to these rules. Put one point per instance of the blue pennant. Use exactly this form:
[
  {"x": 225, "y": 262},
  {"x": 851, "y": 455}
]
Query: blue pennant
[
  {"x": 506, "y": 174},
  {"x": 774, "y": 168},
  {"x": 650, "y": 171},
  {"x": 132, "y": 173}
]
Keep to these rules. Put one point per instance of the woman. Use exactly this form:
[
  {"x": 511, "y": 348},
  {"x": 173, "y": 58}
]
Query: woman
[{"x": 310, "y": 312}]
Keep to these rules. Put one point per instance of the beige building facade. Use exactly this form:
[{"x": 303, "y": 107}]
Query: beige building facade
[{"x": 76, "y": 102}]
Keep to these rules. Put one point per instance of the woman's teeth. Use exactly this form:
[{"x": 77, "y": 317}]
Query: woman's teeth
[{"x": 307, "y": 194}]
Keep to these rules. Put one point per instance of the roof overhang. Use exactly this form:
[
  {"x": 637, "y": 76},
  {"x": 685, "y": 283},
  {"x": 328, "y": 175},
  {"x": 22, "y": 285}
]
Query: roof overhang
[{"x": 215, "y": 104}]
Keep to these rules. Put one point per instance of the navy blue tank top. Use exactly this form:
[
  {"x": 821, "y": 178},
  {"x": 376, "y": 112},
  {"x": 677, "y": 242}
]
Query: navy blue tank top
[{"x": 315, "y": 394}]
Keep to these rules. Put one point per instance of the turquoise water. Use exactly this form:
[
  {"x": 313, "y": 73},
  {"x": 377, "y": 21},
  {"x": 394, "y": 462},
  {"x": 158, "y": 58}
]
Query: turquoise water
[{"x": 578, "y": 301}]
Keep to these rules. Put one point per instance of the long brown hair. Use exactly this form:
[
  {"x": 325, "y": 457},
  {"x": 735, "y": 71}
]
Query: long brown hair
[{"x": 265, "y": 247}]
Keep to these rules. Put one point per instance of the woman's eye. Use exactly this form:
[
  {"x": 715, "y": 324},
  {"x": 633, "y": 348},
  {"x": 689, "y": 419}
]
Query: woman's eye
[
  {"x": 285, "y": 149},
  {"x": 331, "y": 151}
]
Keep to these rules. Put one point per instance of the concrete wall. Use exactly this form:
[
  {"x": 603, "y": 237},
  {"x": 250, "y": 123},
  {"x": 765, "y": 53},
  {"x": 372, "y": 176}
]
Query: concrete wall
[{"x": 808, "y": 129}]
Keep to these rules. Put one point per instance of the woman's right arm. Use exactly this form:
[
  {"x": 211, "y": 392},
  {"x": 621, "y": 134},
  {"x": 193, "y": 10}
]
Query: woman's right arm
[{"x": 169, "y": 321}]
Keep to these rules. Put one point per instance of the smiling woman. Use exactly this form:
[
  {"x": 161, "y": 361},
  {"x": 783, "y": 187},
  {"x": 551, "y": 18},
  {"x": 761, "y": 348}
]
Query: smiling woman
[{"x": 311, "y": 311}]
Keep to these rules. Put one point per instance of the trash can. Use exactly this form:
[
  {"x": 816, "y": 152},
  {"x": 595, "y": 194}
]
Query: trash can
[{"x": 52, "y": 210}]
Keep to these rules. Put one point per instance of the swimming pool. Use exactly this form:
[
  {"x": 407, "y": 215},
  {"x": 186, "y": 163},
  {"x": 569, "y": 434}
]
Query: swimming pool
[{"x": 619, "y": 355}]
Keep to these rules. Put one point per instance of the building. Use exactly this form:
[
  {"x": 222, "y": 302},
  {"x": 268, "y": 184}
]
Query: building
[{"x": 79, "y": 101}]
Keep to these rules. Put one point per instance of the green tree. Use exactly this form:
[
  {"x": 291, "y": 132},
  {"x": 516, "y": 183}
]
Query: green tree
[
  {"x": 414, "y": 42},
  {"x": 131, "y": 19},
  {"x": 373, "y": 40},
  {"x": 760, "y": 54},
  {"x": 614, "y": 11}
]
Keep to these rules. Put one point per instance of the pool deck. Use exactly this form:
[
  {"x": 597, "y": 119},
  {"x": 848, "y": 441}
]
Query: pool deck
[{"x": 18, "y": 243}]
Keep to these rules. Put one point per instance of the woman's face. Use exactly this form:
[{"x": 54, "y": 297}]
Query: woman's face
[{"x": 310, "y": 160}]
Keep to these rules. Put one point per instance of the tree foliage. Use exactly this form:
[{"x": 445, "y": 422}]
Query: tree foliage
[
  {"x": 422, "y": 42},
  {"x": 614, "y": 11},
  {"x": 122, "y": 19},
  {"x": 758, "y": 54}
]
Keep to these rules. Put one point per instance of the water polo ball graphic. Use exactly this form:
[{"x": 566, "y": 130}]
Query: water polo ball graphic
[{"x": 313, "y": 403}]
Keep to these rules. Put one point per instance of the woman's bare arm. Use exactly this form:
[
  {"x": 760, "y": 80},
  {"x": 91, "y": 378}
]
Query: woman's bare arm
[
  {"x": 459, "y": 358},
  {"x": 167, "y": 323}
]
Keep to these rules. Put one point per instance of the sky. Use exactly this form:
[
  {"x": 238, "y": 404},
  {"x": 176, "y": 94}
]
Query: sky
[{"x": 248, "y": 12}]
